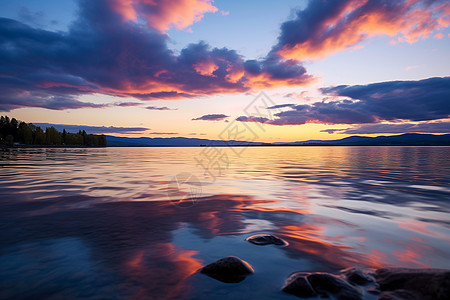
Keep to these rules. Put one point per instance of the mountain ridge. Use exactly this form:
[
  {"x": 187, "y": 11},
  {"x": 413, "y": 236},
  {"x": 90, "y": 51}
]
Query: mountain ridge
[{"x": 406, "y": 139}]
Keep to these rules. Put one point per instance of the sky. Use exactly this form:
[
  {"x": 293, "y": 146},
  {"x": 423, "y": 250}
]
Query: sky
[{"x": 278, "y": 71}]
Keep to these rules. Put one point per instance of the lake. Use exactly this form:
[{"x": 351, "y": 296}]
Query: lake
[{"x": 137, "y": 223}]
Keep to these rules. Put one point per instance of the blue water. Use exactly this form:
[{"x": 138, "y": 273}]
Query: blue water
[{"x": 137, "y": 223}]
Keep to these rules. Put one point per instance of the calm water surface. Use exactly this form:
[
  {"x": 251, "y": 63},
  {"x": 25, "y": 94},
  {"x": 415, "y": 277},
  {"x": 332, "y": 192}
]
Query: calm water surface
[{"x": 113, "y": 223}]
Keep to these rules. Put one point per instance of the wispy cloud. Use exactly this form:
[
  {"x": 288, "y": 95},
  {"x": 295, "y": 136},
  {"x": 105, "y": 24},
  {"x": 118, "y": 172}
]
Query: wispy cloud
[
  {"x": 212, "y": 117},
  {"x": 439, "y": 35},
  {"x": 281, "y": 106},
  {"x": 94, "y": 129},
  {"x": 34, "y": 98},
  {"x": 127, "y": 104},
  {"x": 411, "y": 67},
  {"x": 160, "y": 108},
  {"x": 164, "y": 133}
]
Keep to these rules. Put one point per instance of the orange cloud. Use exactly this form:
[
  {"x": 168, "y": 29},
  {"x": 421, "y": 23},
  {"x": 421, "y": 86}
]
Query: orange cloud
[
  {"x": 205, "y": 68},
  {"x": 163, "y": 15},
  {"x": 266, "y": 81},
  {"x": 356, "y": 21}
]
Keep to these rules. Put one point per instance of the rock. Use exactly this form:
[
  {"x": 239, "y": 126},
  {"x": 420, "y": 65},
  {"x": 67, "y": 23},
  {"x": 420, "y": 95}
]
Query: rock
[
  {"x": 229, "y": 269},
  {"x": 398, "y": 295},
  {"x": 426, "y": 284},
  {"x": 357, "y": 276},
  {"x": 325, "y": 284},
  {"x": 266, "y": 239},
  {"x": 298, "y": 285}
]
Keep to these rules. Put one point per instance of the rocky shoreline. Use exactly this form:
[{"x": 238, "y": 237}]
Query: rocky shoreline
[{"x": 349, "y": 284}]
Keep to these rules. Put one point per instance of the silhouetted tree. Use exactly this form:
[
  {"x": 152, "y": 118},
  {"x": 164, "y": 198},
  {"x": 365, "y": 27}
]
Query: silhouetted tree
[
  {"x": 64, "y": 135},
  {"x": 14, "y": 126},
  {"x": 25, "y": 133},
  {"x": 52, "y": 136},
  {"x": 74, "y": 139},
  {"x": 12, "y": 131},
  {"x": 102, "y": 140},
  {"x": 39, "y": 136}
]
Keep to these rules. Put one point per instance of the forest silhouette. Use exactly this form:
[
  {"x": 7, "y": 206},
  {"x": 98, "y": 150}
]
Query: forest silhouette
[{"x": 14, "y": 132}]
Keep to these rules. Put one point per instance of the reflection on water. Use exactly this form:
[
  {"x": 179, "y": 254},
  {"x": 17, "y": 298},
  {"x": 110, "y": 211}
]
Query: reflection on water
[{"x": 98, "y": 223}]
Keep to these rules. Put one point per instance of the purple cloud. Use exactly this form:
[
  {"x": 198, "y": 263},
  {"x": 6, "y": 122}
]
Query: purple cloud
[
  {"x": 127, "y": 104},
  {"x": 281, "y": 106},
  {"x": 212, "y": 117},
  {"x": 331, "y": 131},
  {"x": 103, "y": 54},
  {"x": 421, "y": 100},
  {"x": 252, "y": 119},
  {"x": 435, "y": 127},
  {"x": 160, "y": 108}
]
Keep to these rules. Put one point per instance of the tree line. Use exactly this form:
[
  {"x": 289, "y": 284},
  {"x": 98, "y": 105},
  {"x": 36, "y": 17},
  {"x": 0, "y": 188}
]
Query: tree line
[{"x": 13, "y": 131}]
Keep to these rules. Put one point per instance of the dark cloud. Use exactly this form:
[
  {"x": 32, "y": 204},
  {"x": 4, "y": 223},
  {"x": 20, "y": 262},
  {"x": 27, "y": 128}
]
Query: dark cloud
[
  {"x": 252, "y": 119},
  {"x": 435, "y": 127},
  {"x": 164, "y": 95},
  {"x": 281, "y": 106},
  {"x": 127, "y": 104},
  {"x": 94, "y": 129},
  {"x": 160, "y": 108},
  {"x": 422, "y": 100},
  {"x": 331, "y": 131},
  {"x": 103, "y": 54},
  {"x": 43, "y": 101},
  {"x": 212, "y": 117}
]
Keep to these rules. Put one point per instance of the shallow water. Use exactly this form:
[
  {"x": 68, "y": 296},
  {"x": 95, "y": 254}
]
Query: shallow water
[{"x": 137, "y": 223}]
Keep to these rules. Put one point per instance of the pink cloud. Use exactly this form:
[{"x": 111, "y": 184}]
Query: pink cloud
[
  {"x": 439, "y": 35},
  {"x": 163, "y": 15},
  {"x": 345, "y": 24}
]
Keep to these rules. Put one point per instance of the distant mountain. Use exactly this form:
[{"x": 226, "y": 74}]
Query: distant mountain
[
  {"x": 407, "y": 139},
  {"x": 115, "y": 141}
]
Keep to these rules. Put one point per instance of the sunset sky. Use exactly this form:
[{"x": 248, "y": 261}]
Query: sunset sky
[{"x": 191, "y": 68}]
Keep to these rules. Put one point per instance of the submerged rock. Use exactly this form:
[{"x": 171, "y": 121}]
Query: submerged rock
[
  {"x": 426, "y": 284},
  {"x": 388, "y": 283},
  {"x": 307, "y": 285},
  {"x": 325, "y": 284},
  {"x": 298, "y": 285},
  {"x": 266, "y": 239},
  {"x": 357, "y": 276},
  {"x": 229, "y": 269}
]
